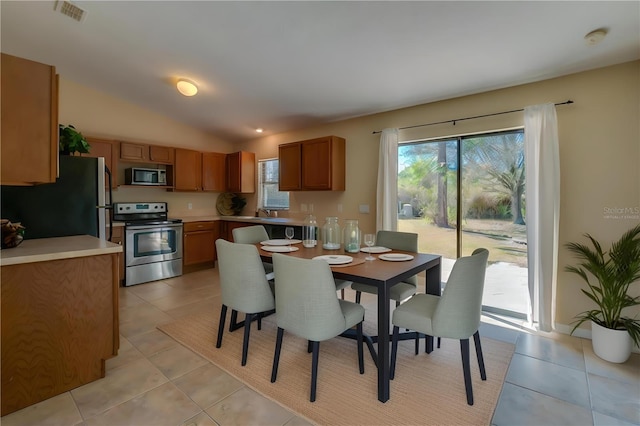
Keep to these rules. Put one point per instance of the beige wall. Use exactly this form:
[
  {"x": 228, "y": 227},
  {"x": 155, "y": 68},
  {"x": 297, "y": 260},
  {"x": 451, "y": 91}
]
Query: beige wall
[
  {"x": 97, "y": 114},
  {"x": 599, "y": 153},
  {"x": 599, "y": 150}
]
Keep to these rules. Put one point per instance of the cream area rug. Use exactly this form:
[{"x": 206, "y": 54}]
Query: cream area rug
[{"x": 428, "y": 389}]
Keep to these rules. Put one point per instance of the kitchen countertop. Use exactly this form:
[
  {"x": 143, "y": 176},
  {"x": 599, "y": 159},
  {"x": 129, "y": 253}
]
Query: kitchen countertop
[
  {"x": 45, "y": 249},
  {"x": 264, "y": 220},
  {"x": 248, "y": 219}
]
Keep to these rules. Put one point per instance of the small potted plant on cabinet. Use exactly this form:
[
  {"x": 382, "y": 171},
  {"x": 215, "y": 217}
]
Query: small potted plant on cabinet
[
  {"x": 614, "y": 271},
  {"x": 72, "y": 141}
]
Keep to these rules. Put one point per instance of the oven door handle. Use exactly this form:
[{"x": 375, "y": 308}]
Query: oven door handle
[{"x": 153, "y": 227}]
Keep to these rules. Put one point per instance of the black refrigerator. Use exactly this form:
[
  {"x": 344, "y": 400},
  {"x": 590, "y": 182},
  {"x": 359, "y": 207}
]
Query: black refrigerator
[{"x": 74, "y": 205}]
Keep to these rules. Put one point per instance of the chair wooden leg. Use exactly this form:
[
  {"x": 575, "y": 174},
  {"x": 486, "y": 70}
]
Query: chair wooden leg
[
  {"x": 360, "y": 351},
  {"x": 417, "y": 342},
  {"x": 314, "y": 370},
  {"x": 466, "y": 369},
  {"x": 309, "y": 346},
  {"x": 358, "y": 296},
  {"x": 476, "y": 340},
  {"x": 438, "y": 343},
  {"x": 342, "y": 293},
  {"x": 276, "y": 355},
  {"x": 245, "y": 342},
  {"x": 260, "y": 315},
  {"x": 223, "y": 317},
  {"x": 394, "y": 351}
]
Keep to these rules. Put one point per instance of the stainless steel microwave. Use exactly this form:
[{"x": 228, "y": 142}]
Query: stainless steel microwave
[{"x": 140, "y": 176}]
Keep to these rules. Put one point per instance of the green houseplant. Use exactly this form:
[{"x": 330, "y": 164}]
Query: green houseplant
[
  {"x": 614, "y": 272},
  {"x": 72, "y": 141}
]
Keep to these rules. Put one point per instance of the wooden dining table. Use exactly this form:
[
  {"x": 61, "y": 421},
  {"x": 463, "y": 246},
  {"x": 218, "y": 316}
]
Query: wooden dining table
[{"x": 382, "y": 275}]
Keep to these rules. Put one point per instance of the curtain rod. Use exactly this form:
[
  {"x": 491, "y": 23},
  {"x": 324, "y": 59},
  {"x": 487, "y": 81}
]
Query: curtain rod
[{"x": 470, "y": 118}]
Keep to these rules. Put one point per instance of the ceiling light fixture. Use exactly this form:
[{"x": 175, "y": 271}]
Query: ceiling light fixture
[
  {"x": 595, "y": 36},
  {"x": 259, "y": 130},
  {"x": 186, "y": 87}
]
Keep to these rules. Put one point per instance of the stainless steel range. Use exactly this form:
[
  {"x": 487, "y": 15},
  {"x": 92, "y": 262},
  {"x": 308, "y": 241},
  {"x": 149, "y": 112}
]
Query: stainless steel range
[{"x": 153, "y": 243}]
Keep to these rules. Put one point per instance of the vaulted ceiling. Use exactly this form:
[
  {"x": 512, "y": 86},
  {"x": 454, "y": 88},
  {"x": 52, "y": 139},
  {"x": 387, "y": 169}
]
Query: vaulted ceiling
[{"x": 286, "y": 65}]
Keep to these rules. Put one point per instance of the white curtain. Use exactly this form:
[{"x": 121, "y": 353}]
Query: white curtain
[
  {"x": 387, "y": 195},
  {"x": 542, "y": 172}
]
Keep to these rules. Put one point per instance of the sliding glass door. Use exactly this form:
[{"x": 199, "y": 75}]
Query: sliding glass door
[{"x": 467, "y": 192}]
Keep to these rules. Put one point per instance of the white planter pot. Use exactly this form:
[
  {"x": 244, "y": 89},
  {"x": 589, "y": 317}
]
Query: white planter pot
[{"x": 610, "y": 345}]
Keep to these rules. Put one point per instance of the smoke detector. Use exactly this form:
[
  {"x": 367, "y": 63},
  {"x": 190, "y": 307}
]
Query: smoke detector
[{"x": 69, "y": 9}]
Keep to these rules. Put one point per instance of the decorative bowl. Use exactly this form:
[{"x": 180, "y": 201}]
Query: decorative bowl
[{"x": 12, "y": 234}]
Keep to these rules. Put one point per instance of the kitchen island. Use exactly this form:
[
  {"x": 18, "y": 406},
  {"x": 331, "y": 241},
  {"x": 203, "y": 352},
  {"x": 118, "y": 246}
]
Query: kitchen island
[{"x": 59, "y": 313}]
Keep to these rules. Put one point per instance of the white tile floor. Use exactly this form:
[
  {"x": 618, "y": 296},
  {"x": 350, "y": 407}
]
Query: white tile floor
[{"x": 552, "y": 379}]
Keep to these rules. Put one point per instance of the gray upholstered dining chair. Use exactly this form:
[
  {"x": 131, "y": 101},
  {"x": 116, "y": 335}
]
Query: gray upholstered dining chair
[
  {"x": 406, "y": 241},
  {"x": 253, "y": 235},
  {"x": 454, "y": 315},
  {"x": 308, "y": 306},
  {"x": 244, "y": 287}
]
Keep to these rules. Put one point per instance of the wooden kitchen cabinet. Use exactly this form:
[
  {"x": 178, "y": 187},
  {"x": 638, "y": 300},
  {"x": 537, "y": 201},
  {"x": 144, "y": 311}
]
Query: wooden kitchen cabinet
[
  {"x": 59, "y": 325},
  {"x": 161, "y": 154},
  {"x": 117, "y": 237},
  {"x": 290, "y": 167},
  {"x": 143, "y": 153},
  {"x": 187, "y": 170},
  {"x": 199, "y": 171},
  {"x": 199, "y": 242},
  {"x": 213, "y": 171},
  {"x": 134, "y": 152},
  {"x": 313, "y": 165},
  {"x": 110, "y": 151},
  {"x": 29, "y": 122},
  {"x": 241, "y": 172}
]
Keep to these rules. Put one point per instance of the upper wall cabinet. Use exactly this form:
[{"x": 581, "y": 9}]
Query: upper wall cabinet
[
  {"x": 110, "y": 151},
  {"x": 141, "y": 153},
  {"x": 199, "y": 171},
  {"x": 161, "y": 154},
  {"x": 29, "y": 121},
  {"x": 290, "y": 166},
  {"x": 312, "y": 165},
  {"x": 187, "y": 170},
  {"x": 241, "y": 172},
  {"x": 214, "y": 171}
]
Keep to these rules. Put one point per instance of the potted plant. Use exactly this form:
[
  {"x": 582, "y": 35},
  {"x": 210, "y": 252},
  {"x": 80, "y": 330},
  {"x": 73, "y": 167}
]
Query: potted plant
[
  {"x": 614, "y": 271},
  {"x": 72, "y": 141}
]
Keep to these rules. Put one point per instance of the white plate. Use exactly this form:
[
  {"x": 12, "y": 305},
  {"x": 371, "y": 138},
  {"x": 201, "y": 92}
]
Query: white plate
[
  {"x": 375, "y": 249},
  {"x": 395, "y": 257},
  {"x": 279, "y": 242},
  {"x": 335, "y": 259},
  {"x": 280, "y": 249}
]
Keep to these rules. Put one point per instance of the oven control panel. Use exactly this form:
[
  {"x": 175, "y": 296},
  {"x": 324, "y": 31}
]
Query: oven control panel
[{"x": 133, "y": 208}]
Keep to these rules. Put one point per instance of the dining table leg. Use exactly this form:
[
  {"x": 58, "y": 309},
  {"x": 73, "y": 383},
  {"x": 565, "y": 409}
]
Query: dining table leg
[
  {"x": 433, "y": 285},
  {"x": 383, "y": 343}
]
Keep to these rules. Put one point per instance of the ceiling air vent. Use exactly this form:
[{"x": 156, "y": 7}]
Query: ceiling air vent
[{"x": 69, "y": 9}]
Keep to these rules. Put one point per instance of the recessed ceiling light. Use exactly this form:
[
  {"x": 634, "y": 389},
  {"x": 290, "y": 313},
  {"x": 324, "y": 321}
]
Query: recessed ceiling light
[
  {"x": 259, "y": 130},
  {"x": 186, "y": 87},
  {"x": 595, "y": 36}
]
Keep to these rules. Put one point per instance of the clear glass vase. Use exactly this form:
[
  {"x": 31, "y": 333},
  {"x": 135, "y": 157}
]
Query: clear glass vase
[
  {"x": 351, "y": 236},
  {"x": 309, "y": 230},
  {"x": 331, "y": 234}
]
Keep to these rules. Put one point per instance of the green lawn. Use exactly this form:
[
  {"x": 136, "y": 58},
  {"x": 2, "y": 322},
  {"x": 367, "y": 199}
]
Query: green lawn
[{"x": 504, "y": 240}]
